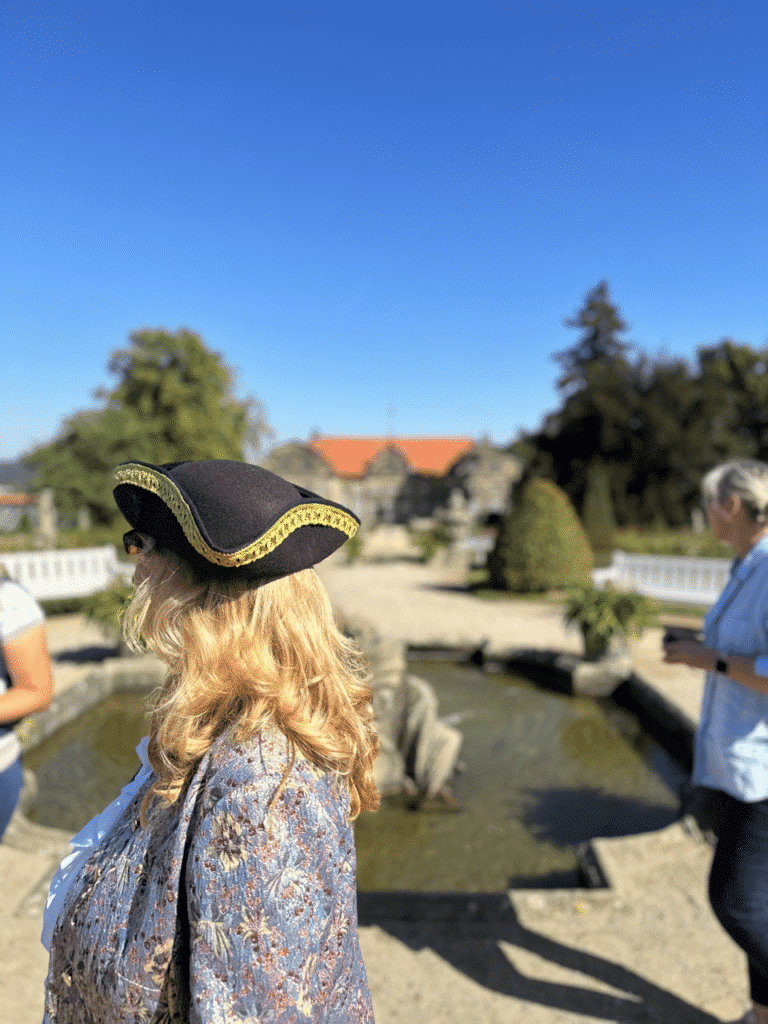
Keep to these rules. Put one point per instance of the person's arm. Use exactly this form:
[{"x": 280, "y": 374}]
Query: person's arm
[
  {"x": 741, "y": 668},
  {"x": 29, "y": 669}
]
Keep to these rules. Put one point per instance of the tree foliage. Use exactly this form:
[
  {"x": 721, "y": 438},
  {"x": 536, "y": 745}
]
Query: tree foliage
[
  {"x": 597, "y": 512},
  {"x": 173, "y": 400},
  {"x": 598, "y": 348},
  {"x": 656, "y": 426}
]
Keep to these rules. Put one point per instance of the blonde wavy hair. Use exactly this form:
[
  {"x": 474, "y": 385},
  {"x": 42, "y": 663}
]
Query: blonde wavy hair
[{"x": 246, "y": 654}]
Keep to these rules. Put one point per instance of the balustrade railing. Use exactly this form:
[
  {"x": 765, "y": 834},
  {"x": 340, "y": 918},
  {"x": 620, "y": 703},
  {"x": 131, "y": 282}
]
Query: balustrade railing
[
  {"x": 70, "y": 572},
  {"x": 77, "y": 572},
  {"x": 667, "y": 577}
]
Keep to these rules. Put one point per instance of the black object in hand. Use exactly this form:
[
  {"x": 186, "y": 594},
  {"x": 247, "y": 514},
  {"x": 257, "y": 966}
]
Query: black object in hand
[{"x": 672, "y": 636}]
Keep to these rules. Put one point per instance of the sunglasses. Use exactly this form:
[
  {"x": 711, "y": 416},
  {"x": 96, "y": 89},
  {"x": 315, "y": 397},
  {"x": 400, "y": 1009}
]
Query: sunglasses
[{"x": 136, "y": 543}]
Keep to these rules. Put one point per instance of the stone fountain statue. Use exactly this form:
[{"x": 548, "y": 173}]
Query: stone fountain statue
[{"x": 418, "y": 751}]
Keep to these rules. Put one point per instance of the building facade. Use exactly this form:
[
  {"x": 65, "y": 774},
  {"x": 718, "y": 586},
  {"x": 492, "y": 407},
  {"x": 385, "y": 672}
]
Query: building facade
[
  {"x": 14, "y": 508},
  {"x": 397, "y": 480}
]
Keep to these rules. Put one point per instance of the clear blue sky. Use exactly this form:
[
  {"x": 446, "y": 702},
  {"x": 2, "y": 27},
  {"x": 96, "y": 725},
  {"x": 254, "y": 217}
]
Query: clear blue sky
[{"x": 380, "y": 213}]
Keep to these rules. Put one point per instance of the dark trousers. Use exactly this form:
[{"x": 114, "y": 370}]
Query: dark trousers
[
  {"x": 11, "y": 783},
  {"x": 738, "y": 884}
]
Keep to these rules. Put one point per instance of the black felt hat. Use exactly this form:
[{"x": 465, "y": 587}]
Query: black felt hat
[{"x": 231, "y": 518}]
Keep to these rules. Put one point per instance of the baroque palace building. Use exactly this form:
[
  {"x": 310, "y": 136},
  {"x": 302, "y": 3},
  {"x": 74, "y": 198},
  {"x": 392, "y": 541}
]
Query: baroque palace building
[{"x": 399, "y": 479}]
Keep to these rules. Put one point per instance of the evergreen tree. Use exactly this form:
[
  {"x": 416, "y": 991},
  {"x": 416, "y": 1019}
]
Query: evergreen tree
[
  {"x": 597, "y": 511},
  {"x": 600, "y": 398},
  {"x": 599, "y": 347},
  {"x": 173, "y": 401},
  {"x": 655, "y": 425}
]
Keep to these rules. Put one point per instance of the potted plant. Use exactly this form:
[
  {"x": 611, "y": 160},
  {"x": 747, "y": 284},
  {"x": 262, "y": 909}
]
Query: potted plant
[{"x": 605, "y": 615}]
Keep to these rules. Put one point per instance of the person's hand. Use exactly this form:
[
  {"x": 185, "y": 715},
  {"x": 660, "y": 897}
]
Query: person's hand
[{"x": 688, "y": 652}]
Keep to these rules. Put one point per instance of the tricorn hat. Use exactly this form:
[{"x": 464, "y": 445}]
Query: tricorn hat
[{"x": 231, "y": 518}]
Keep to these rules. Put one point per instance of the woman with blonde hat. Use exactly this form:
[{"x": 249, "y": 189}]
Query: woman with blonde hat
[{"x": 221, "y": 884}]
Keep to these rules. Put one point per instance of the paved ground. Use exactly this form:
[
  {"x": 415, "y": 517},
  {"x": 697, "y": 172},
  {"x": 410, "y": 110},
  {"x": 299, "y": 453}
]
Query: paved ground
[{"x": 647, "y": 950}]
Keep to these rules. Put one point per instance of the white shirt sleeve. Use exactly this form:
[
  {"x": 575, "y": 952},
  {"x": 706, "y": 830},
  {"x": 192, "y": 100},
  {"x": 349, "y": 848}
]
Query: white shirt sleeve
[{"x": 19, "y": 611}]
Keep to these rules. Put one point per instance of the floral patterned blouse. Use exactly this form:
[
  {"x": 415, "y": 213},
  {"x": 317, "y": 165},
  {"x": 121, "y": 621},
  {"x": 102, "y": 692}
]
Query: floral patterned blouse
[{"x": 221, "y": 909}]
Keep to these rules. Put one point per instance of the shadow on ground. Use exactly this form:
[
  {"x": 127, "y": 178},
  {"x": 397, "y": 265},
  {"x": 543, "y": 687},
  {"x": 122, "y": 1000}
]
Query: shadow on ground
[
  {"x": 570, "y": 816},
  {"x": 82, "y": 655},
  {"x": 470, "y": 942}
]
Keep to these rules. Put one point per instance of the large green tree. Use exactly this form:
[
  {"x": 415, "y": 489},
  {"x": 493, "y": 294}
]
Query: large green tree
[
  {"x": 173, "y": 400},
  {"x": 734, "y": 387},
  {"x": 655, "y": 426}
]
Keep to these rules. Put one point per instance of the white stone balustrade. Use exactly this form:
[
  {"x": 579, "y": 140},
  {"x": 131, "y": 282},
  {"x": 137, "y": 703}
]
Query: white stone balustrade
[
  {"x": 71, "y": 572},
  {"x": 77, "y": 572},
  {"x": 667, "y": 577}
]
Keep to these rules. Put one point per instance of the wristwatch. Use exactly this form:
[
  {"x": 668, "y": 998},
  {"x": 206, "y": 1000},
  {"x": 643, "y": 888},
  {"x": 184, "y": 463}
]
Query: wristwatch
[{"x": 721, "y": 665}]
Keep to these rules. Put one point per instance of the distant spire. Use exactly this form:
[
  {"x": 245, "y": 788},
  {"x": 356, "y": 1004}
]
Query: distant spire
[{"x": 391, "y": 412}]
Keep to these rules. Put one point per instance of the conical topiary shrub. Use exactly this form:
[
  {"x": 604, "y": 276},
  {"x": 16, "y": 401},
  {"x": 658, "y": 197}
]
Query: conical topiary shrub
[
  {"x": 597, "y": 509},
  {"x": 541, "y": 545}
]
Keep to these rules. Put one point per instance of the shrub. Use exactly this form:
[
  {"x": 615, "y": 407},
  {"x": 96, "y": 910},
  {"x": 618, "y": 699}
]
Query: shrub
[
  {"x": 107, "y": 606},
  {"x": 429, "y": 542},
  {"x": 597, "y": 509},
  {"x": 94, "y": 537},
  {"x": 62, "y": 605},
  {"x": 103, "y": 607},
  {"x": 541, "y": 544},
  {"x": 353, "y": 548}
]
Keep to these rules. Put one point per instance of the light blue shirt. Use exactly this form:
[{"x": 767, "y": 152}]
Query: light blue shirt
[{"x": 732, "y": 739}]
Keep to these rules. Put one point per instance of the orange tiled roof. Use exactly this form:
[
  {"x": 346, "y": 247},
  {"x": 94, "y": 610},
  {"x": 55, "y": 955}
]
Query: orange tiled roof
[
  {"x": 352, "y": 456},
  {"x": 17, "y": 499}
]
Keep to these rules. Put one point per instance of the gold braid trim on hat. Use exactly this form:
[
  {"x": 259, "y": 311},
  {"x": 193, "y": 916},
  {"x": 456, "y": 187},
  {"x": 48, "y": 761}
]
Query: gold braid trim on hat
[{"x": 302, "y": 515}]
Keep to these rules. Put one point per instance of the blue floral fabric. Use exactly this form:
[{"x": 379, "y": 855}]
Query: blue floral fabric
[{"x": 223, "y": 908}]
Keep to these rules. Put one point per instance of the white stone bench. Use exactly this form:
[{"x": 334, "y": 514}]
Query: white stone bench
[
  {"x": 666, "y": 577},
  {"x": 71, "y": 572}
]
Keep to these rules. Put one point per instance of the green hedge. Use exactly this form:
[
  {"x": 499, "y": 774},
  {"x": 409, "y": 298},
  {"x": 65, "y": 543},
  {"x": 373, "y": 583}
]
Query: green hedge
[
  {"x": 64, "y": 606},
  {"x": 636, "y": 540},
  {"x": 103, "y": 607},
  {"x": 429, "y": 542},
  {"x": 94, "y": 538}
]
